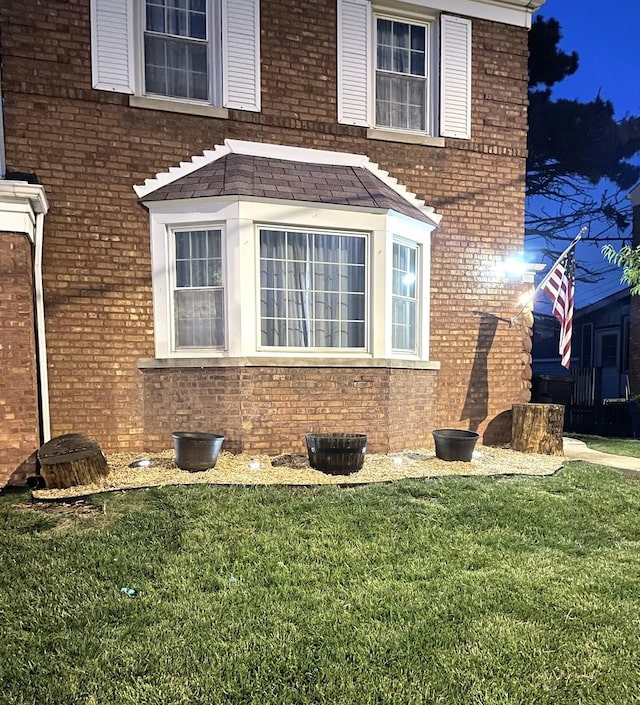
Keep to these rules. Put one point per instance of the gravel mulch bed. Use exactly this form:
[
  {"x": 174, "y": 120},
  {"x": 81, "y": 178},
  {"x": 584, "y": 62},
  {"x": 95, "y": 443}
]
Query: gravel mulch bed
[{"x": 243, "y": 469}]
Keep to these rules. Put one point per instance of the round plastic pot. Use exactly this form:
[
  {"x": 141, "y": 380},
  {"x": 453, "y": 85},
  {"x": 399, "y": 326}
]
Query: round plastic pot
[
  {"x": 196, "y": 452},
  {"x": 454, "y": 444}
]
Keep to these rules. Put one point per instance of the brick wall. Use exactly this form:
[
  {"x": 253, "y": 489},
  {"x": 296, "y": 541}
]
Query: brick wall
[
  {"x": 19, "y": 425},
  {"x": 270, "y": 409},
  {"x": 88, "y": 148}
]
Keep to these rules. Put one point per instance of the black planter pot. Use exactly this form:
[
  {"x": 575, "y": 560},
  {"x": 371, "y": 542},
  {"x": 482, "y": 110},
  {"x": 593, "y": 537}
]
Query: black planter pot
[
  {"x": 454, "y": 444},
  {"x": 336, "y": 453},
  {"x": 196, "y": 452}
]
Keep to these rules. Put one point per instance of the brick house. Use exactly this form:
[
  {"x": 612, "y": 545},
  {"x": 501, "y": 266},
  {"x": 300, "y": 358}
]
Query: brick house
[{"x": 260, "y": 219}]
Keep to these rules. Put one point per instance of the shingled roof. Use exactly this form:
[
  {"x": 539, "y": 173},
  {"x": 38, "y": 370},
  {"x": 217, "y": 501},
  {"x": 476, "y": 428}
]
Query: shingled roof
[{"x": 233, "y": 171}]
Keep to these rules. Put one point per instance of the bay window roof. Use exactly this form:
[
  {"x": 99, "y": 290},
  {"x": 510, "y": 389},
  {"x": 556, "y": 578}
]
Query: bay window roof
[{"x": 289, "y": 173}]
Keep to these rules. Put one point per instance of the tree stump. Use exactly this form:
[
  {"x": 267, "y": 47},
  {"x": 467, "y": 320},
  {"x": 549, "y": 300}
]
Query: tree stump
[
  {"x": 70, "y": 460},
  {"x": 537, "y": 428}
]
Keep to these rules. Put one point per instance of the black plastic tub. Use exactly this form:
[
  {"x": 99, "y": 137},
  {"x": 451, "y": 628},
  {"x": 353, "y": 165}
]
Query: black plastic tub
[
  {"x": 336, "y": 453},
  {"x": 196, "y": 452},
  {"x": 454, "y": 444}
]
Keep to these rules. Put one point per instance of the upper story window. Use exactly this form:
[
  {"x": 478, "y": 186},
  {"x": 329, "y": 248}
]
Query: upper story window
[
  {"x": 390, "y": 77},
  {"x": 168, "y": 54},
  {"x": 176, "y": 48},
  {"x": 401, "y": 75}
]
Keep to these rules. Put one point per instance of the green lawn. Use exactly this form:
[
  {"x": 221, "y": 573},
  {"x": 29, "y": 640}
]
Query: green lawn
[
  {"x": 453, "y": 591},
  {"x": 617, "y": 446}
]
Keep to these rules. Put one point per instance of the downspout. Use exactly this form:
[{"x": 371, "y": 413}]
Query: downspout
[{"x": 41, "y": 340}]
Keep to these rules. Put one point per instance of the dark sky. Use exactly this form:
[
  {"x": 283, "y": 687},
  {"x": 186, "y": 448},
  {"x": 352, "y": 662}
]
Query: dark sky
[{"x": 607, "y": 39}]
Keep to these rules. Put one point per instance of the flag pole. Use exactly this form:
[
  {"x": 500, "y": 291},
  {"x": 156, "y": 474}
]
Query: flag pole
[{"x": 549, "y": 273}]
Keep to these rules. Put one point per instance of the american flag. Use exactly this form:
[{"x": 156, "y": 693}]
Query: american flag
[{"x": 559, "y": 287}]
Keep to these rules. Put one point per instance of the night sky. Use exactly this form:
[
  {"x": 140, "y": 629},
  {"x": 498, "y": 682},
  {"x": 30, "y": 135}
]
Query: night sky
[{"x": 605, "y": 35}]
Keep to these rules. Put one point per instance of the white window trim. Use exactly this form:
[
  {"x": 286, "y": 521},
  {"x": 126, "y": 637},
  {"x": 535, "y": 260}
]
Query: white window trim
[
  {"x": 404, "y": 242},
  {"x": 450, "y": 112},
  {"x": 431, "y": 60},
  {"x": 344, "y": 352},
  {"x": 240, "y": 221},
  {"x": 117, "y": 56},
  {"x": 214, "y": 51},
  {"x": 172, "y": 285}
]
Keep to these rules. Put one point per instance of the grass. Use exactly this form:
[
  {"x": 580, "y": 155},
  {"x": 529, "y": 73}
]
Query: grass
[
  {"x": 617, "y": 446},
  {"x": 454, "y": 591}
]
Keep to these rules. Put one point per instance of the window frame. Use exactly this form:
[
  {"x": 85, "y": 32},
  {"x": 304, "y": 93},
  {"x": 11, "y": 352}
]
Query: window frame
[
  {"x": 173, "y": 287},
  {"x": 417, "y": 298},
  {"x": 214, "y": 59},
  {"x": 429, "y": 24},
  {"x": 262, "y": 347}
]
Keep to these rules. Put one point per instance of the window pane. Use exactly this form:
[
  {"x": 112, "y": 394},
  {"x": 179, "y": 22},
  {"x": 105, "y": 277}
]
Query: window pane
[
  {"x": 155, "y": 18},
  {"x": 199, "y": 318},
  {"x": 183, "y": 274},
  {"x": 176, "y": 54},
  {"x": 272, "y": 274},
  {"x": 198, "y": 295},
  {"x": 326, "y": 277},
  {"x": 352, "y": 278},
  {"x": 273, "y": 303},
  {"x": 404, "y": 297},
  {"x": 319, "y": 266},
  {"x": 401, "y": 54}
]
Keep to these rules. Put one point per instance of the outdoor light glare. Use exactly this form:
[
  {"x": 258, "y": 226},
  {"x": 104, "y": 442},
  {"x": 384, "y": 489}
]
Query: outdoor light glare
[
  {"x": 408, "y": 279},
  {"x": 525, "y": 298},
  {"x": 513, "y": 267}
]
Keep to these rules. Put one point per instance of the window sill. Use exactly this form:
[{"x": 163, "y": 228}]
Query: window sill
[
  {"x": 407, "y": 137},
  {"x": 175, "y": 106},
  {"x": 177, "y": 362}
]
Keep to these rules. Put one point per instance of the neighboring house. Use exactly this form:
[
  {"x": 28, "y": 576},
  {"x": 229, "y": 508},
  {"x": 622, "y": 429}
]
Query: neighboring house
[
  {"x": 599, "y": 352},
  {"x": 634, "y": 313},
  {"x": 273, "y": 272}
]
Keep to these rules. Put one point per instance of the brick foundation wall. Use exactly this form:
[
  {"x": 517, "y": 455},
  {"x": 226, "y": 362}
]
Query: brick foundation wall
[
  {"x": 89, "y": 148},
  {"x": 270, "y": 409},
  {"x": 19, "y": 419}
]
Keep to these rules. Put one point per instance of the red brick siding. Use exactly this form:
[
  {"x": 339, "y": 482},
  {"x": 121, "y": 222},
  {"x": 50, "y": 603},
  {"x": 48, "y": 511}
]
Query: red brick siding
[
  {"x": 192, "y": 400},
  {"x": 19, "y": 420},
  {"x": 88, "y": 149},
  {"x": 270, "y": 409}
]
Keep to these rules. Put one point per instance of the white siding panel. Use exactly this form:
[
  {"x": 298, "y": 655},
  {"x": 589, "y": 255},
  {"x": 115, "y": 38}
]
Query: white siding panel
[
  {"x": 455, "y": 77},
  {"x": 112, "y": 45},
  {"x": 241, "y": 54},
  {"x": 354, "y": 70}
]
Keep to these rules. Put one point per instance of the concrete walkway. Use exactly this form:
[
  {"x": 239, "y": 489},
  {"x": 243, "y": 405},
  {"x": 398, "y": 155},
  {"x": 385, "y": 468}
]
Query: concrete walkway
[{"x": 577, "y": 450}]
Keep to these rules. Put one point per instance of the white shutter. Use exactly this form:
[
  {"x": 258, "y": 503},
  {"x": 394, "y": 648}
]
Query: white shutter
[
  {"x": 241, "y": 54},
  {"x": 112, "y": 45},
  {"x": 354, "y": 64},
  {"x": 455, "y": 77}
]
